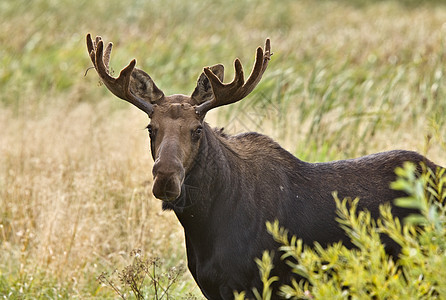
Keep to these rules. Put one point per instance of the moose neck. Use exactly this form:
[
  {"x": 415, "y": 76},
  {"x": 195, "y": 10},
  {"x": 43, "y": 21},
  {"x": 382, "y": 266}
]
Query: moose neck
[{"x": 205, "y": 182}]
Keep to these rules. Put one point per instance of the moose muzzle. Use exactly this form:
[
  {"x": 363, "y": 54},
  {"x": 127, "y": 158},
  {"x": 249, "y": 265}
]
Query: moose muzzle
[
  {"x": 168, "y": 176},
  {"x": 167, "y": 187}
]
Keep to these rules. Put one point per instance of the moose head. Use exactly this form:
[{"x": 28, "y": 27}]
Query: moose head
[{"x": 176, "y": 121}]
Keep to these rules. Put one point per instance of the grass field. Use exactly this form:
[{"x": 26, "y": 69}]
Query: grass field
[{"x": 347, "y": 78}]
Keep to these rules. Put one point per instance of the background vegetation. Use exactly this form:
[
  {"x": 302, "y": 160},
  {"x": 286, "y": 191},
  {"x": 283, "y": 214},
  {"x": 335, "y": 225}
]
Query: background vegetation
[{"x": 347, "y": 78}]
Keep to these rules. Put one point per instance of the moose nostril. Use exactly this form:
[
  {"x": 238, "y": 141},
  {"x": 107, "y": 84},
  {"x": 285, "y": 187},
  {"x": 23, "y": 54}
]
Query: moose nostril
[{"x": 167, "y": 188}]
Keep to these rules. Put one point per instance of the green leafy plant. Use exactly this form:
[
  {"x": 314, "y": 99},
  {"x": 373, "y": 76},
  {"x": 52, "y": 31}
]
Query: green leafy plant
[
  {"x": 265, "y": 267},
  {"x": 367, "y": 271}
]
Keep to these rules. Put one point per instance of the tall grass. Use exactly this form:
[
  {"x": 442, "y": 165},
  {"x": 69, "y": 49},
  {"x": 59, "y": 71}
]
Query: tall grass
[{"x": 347, "y": 78}]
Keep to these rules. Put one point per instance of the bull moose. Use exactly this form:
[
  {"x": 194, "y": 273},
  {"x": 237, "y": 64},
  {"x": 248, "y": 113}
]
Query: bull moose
[{"x": 224, "y": 188}]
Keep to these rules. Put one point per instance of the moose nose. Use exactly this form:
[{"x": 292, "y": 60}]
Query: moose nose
[
  {"x": 166, "y": 188},
  {"x": 167, "y": 181}
]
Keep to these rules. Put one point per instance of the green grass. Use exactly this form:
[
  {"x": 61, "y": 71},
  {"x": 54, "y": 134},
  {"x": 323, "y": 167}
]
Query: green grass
[{"x": 347, "y": 78}]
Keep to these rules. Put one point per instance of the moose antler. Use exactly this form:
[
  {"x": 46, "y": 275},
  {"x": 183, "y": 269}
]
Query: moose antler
[
  {"x": 132, "y": 85},
  {"x": 238, "y": 89}
]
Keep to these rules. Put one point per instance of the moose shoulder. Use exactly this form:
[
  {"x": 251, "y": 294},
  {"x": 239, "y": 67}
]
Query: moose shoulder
[{"x": 224, "y": 188}]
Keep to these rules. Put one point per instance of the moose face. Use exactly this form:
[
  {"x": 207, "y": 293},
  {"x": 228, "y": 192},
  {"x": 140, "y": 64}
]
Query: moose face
[
  {"x": 176, "y": 126},
  {"x": 175, "y": 134}
]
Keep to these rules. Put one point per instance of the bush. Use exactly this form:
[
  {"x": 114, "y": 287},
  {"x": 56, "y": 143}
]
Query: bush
[{"x": 367, "y": 271}]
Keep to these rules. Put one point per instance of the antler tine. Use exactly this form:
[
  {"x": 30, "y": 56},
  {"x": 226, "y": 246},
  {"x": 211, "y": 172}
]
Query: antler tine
[
  {"x": 90, "y": 47},
  {"x": 237, "y": 89},
  {"x": 120, "y": 86}
]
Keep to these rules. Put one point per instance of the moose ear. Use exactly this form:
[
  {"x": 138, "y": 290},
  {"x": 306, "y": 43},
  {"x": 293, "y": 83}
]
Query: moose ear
[
  {"x": 203, "y": 92},
  {"x": 142, "y": 86}
]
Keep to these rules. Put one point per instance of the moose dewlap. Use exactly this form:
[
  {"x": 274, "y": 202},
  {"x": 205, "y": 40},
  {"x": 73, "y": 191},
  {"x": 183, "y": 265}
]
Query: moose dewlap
[{"x": 224, "y": 188}]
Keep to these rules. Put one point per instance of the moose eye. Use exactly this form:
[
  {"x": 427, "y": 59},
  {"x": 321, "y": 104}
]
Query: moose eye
[{"x": 196, "y": 134}]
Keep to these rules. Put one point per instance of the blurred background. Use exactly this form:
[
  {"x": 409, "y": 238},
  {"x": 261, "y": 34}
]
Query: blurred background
[{"x": 347, "y": 78}]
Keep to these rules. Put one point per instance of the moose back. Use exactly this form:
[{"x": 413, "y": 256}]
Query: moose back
[{"x": 224, "y": 188}]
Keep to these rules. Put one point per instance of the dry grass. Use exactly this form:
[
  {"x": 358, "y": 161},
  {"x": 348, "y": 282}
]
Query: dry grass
[{"x": 76, "y": 195}]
